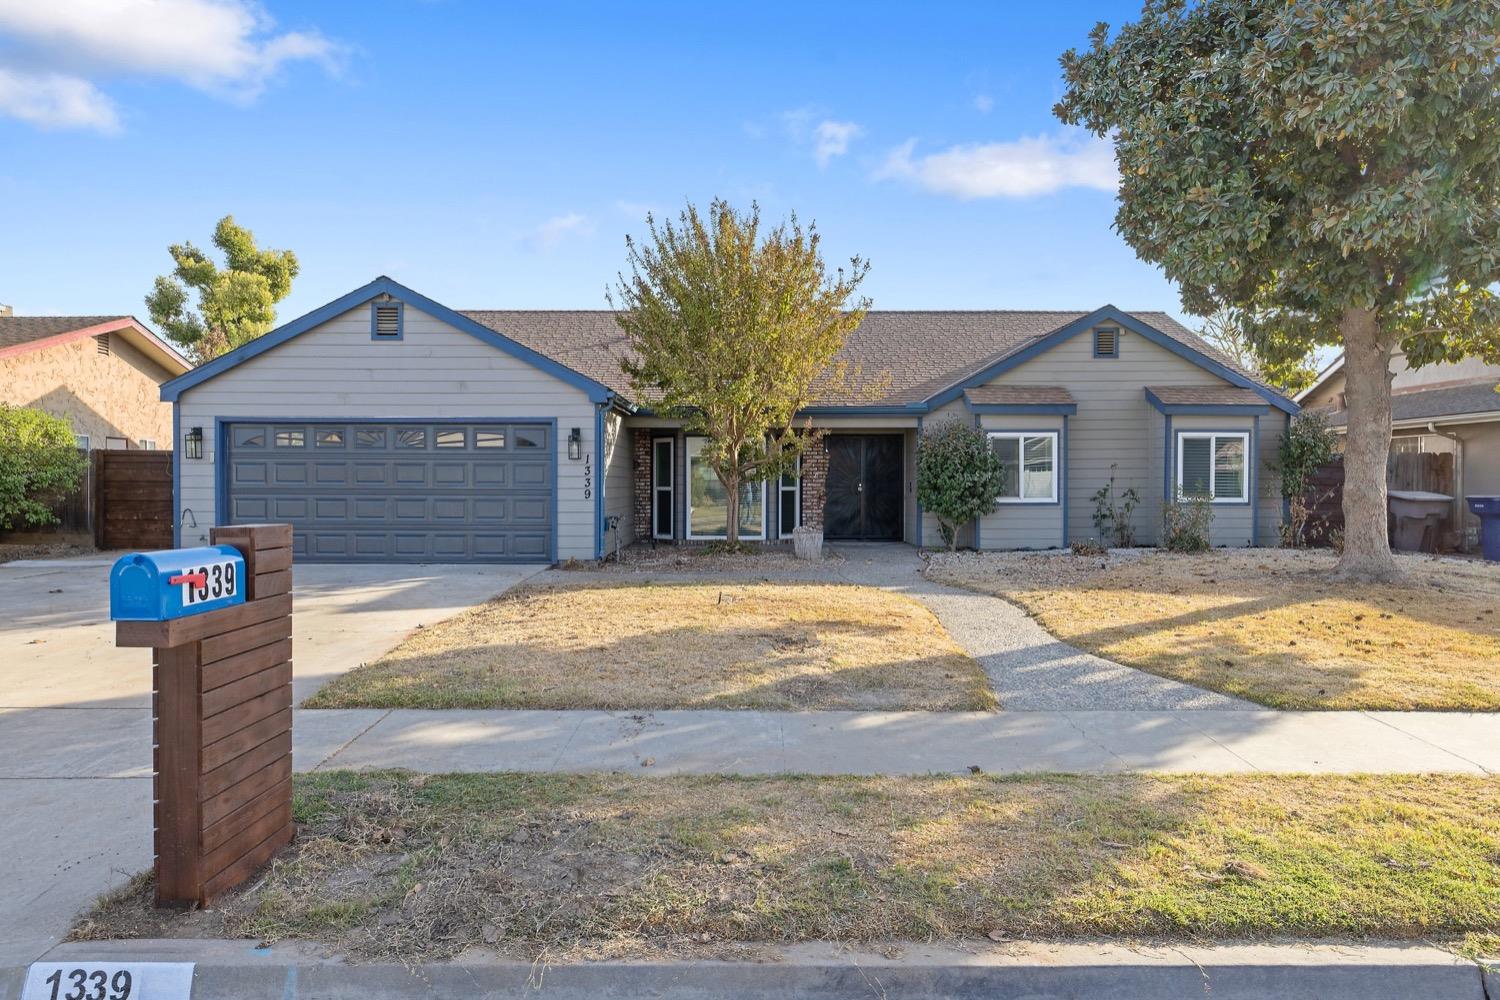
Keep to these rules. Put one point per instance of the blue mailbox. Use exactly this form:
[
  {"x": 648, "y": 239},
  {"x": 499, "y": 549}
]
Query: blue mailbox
[{"x": 175, "y": 583}]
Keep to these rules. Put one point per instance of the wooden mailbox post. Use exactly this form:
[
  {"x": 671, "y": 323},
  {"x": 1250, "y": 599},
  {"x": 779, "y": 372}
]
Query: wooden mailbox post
[{"x": 222, "y": 718}]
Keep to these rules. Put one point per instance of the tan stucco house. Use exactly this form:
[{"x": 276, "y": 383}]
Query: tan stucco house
[
  {"x": 387, "y": 426},
  {"x": 102, "y": 374}
]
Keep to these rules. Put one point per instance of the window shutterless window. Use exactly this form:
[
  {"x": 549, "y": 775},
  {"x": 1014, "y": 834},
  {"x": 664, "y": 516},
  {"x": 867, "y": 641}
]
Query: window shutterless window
[
  {"x": 1028, "y": 465},
  {"x": 662, "y": 490},
  {"x": 789, "y": 498},
  {"x": 1213, "y": 465},
  {"x": 708, "y": 502}
]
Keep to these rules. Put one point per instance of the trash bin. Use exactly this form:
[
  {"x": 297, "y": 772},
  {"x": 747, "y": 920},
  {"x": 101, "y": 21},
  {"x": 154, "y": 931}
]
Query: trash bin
[
  {"x": 1419, "y": 515},
  {"x": 1488, "y": 511}
]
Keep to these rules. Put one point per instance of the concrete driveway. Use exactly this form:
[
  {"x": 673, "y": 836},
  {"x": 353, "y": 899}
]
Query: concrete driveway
[{"x": 75, "y": 715}]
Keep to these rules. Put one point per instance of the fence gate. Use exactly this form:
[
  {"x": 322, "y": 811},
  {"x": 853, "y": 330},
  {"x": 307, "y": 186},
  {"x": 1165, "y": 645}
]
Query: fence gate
[{"x": 132, "y": 499}]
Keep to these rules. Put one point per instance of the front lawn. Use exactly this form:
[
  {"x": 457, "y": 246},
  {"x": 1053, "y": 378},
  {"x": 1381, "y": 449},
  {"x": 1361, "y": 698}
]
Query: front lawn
[
  {"x": 417, "y": 867},
  {"x": 609, "y": 644},
  {"x": 1266, "y": 624}
]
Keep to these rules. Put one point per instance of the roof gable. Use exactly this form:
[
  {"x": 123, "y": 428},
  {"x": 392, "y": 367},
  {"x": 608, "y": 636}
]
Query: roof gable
[
  {"x": 24, "y": 334},
  {"x": 596, "y": 391}
]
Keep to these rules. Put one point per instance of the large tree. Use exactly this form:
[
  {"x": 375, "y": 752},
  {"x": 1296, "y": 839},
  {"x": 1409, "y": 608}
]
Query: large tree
[
  {"x": 1226, "y": 330},
  {"x": 1329, "y": 168},
  {"x": 733, "y": 330},
  {"x": 235, "y": 305}
]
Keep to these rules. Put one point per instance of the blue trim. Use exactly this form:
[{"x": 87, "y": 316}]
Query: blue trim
[
  {"x": 1109, "y": 314},
  {"x": 1246, "y": 432},
  {"x": 906, "y": 410},
  {"x": 1108, "y": 357},
  {"x": 1062, "y": 482},
  {"x": 176, "y": 477},
  {"x": 1023, "y": 409},
  {"x": 1286, "y": 501},
  {"x": 916, "y": 455},
  {"x": 599, "y": 481},
  {"x": 1254, "y": 459},
  {"x": 1206, "y": 409},
  {"x": 170, "y": 391},
  {"x": 221, "y": 468},
  {"x": 400, "y": 319},
  {"x": 1169, "y": 465},
  {"x": 978, "y": 521}
]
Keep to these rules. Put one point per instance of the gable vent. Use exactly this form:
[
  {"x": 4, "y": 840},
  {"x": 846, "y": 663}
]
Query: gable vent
[
  {"x": 1106, "y": 342},
  {"x": 388, "y": 319},
  {"x": 101, "y": 344}
]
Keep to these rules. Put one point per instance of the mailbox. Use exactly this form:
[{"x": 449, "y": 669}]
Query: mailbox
[{"x": 175, "y": 583}]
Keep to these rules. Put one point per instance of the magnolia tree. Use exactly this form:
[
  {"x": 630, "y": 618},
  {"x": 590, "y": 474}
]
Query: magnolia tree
[
  {"x": 732, "y": 329},
  {"x": 1331, "y": 171},
  {"x": 236, "y": 303}
]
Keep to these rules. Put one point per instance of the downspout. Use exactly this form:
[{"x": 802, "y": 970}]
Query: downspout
[{"x": 1458, "y": 482}]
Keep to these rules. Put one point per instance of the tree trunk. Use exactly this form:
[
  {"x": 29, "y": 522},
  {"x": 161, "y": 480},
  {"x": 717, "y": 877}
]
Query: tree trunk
[
  {"x": 732, "y": 526},
  {"x": 1367, "y": 388}
]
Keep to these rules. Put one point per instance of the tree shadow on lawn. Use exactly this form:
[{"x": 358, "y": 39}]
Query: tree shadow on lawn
[{"x": 416, "y": 868}]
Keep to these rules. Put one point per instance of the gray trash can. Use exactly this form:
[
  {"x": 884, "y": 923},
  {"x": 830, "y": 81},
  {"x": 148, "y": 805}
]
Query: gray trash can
[{"x": 1488, "y": 511}]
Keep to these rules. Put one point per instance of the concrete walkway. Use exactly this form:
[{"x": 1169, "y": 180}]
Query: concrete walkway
[{"x": 1029, "y": 669}]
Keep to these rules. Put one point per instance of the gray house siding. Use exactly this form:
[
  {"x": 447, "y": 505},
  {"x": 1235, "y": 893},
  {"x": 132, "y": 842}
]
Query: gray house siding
[
  {"x": 435, "y": 371},
  {"x": 1231, "y": 524},
  {"x": 619, "y": 497},
  {"x": 1026, "y": 525}
]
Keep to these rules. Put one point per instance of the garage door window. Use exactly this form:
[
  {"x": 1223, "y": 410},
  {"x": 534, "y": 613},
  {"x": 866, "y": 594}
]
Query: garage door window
[
  {"x": 489, "y": 439},
  {"x": 530, "y": 439},
  {"x": 291, "y": 439},
  {"x": 249, "y": 437},
  {"x": 333, "y": 438},
  {"x": 369, "y": 437},
  {"x": 411, "y": 438},
  {"x": 450, "y": 439}
]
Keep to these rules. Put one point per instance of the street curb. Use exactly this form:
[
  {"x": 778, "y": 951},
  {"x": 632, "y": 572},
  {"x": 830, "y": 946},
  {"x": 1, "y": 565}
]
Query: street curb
[{"x": 238, "y": 970}]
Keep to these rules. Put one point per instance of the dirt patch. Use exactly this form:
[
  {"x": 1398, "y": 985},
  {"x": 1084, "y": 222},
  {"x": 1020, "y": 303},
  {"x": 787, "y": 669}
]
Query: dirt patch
[
  {"x": 415, "y": 868},
  {"x": 1270, "y": 625},
  {"x": 11, "y": 551},
  {"x": 602, "y": 642}
]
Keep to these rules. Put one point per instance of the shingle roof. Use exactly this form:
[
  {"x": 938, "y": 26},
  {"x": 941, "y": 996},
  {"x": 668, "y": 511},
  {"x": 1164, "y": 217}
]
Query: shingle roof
[
  {"x": 1476, "y": 397},
  {"x": 912, "y": 353},
  {"x": 24, "y": 329},
  {"x": 1019, "y": 395},
  {"x": 1206, "y": 395}
]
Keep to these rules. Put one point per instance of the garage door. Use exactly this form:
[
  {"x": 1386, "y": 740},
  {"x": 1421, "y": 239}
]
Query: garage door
[{"x": 398, "y": 491}]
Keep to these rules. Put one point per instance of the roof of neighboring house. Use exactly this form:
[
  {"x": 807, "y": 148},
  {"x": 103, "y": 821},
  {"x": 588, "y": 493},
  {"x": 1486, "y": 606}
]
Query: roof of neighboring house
[
  {"x": 907, "y": 355},
  {"x": 1206, "y": 395},
  {"x": 23, "y": 334},
  {"x": 1019, "y": 395},
  {"x": 1477, "y": 397}
]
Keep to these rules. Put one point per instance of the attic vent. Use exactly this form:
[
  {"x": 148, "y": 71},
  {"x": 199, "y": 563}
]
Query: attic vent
[
  {"x": 101, "y": 344},
  {"x": 386, "y": 322},
  {"x": 1106, "y": 342}
]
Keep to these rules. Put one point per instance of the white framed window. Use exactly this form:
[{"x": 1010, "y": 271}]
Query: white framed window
[
  {"x": 708, "y": 501},
  {"x": 147, "y": 444},
  {"x": 82, "y": 441},
  {"x": 789, "y": 501},
  {"x": 662, "y": 492},
  {"x": 1028, "y": 464},
  {"x": 1214, "y": 464}
]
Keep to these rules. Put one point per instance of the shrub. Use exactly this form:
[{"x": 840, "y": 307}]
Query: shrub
[
  {"x": 958, "y": 476},
  {"x": 39, "y": 465},
  {"x": 1307, "y": 444},
  {"x": 1088, "y": 548},
  {"x": 1111, "y": 519},
  {"x": 1185, "y": 524}
]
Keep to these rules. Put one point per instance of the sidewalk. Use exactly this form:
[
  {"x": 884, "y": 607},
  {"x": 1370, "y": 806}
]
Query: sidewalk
[{"x": 237, "y": 970}]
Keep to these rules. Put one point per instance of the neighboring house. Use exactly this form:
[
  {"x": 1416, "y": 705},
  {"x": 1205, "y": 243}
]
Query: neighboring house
[
  {"x": 1442, "y": 409},
  {"x": 386, "y": 426},
  {"x": 102, "y": 374}
]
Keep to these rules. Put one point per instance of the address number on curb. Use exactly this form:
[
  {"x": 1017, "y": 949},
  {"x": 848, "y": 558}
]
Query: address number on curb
[{"x": 85, "y": 980}]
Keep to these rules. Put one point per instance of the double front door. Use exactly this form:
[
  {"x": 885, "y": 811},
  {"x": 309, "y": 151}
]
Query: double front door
[{"x": 864, "y": 489}]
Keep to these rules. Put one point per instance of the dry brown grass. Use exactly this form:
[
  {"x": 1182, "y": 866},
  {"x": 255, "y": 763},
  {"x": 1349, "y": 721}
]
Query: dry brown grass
[
  {"x": 1268, "y": 625},
  {"x": 416, "y": 867},
  {"x": 611, "y": 644}
]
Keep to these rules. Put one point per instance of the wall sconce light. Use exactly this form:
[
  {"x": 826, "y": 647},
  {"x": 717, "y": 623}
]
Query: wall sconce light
[
  {"x": 575, "y": 443},
  {"x": 192, "y": 443}
]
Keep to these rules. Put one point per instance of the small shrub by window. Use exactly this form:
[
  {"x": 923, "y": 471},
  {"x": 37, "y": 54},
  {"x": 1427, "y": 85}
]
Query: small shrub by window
[
  {"x": 958, "y": 476},
  {"x": 40, "y": 464},
  {"x": 1112, "y": 517},
  {"x": 1185, "y": 524}
]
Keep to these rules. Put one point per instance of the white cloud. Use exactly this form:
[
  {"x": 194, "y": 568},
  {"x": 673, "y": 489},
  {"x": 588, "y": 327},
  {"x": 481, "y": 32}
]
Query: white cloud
[
  {"x": 52, "y": 100},
  {"x": 833, "y": 139},
  {"x": 228, "y": 48},
  {"x": 984, "y": 103},
  {"x": 1023, "y": 168},
  {"x": 558, "y": 228}
]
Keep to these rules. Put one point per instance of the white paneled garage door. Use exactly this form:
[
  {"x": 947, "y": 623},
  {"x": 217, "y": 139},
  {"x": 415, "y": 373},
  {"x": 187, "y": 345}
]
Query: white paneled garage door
[{"x": 397, "y": 491}]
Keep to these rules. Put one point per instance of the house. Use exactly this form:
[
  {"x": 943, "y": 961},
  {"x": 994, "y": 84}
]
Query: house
[
  {"x": 1445, "y": 430},
  {"x": 102, "y": 374},
  {"x": 386, "y": 426}
]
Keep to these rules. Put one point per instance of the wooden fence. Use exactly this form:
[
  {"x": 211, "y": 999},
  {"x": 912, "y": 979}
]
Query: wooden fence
[
  {"x": 1430, "y": 471},
  {"x": 132, "y": 499}
]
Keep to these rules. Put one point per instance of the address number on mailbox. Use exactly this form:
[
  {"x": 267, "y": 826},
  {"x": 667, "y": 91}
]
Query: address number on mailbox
[{"x": 208, "y": 582}]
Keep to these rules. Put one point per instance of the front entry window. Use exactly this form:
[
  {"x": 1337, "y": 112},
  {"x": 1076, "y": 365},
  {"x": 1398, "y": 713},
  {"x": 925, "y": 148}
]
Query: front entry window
[
  {"x": 661, "y": 488},
  {"x": 708, "y": 501}
]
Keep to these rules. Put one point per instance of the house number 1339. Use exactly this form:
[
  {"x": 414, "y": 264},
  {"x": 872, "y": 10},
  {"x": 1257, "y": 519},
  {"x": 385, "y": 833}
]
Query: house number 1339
[{"x": 588, "y": 477}]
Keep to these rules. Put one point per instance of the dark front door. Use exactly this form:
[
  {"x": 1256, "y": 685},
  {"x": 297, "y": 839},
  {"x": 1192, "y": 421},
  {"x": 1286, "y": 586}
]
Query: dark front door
[{"x": 864, "y": 486}]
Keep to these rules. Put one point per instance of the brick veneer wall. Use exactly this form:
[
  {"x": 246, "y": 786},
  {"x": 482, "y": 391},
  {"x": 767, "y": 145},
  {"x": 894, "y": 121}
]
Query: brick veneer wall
[
  {"x": 640, "y": 462},
  {"x": 814, "y": 482}
]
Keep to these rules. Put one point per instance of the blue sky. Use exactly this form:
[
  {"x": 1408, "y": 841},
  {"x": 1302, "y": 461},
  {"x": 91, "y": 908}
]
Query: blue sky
[{"x": 495, "y": 155}]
